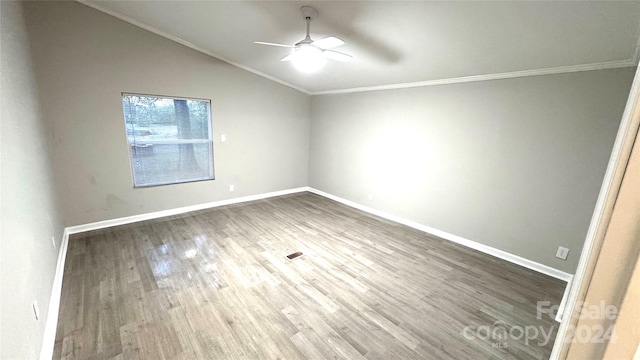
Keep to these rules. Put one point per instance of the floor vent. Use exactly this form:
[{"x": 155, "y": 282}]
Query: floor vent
[{"x": 294, "y": 255}]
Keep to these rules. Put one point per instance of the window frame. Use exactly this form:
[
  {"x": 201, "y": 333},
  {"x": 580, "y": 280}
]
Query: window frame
[{"x": 208, "y": 141}]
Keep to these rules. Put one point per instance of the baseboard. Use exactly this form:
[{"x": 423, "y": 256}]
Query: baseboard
[
  {"x": 529, "y": 264},
  {"x": 56, "y": 291},
  {"x": 159, "y": 214},
  {"x": 49, "y": 337},
  {"x": 563, "y": 303}
]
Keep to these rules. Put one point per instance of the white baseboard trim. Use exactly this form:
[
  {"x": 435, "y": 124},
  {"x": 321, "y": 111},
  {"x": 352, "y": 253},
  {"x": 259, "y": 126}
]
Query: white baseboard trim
[
  {"x": 159, "y": 214},
  {"x": 56, "y": 292},
  {"x": 49, "y": 337},
  {"x": 563, "y": 303},
  {"x": 529, "y": 264}
]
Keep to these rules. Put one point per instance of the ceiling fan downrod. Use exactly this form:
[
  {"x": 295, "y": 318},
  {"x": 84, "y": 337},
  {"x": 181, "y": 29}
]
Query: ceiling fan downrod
[{"x": 308, "y": 13}]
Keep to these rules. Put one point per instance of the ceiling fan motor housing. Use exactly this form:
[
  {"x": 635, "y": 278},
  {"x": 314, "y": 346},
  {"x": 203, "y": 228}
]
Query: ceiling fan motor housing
[{"x": 308, "y": 12}]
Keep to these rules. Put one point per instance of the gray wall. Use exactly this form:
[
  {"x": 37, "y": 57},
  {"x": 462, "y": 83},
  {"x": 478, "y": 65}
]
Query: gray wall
[
  {"x": 514, "y": 164},
  {"x": 29, "y": 211},
  {"x": 85, "y": 59}
]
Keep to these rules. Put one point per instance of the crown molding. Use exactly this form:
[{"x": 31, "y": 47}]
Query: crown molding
[
  {"x": 633, "y": 62},
  {"x": 487, "y": 77},
  {"x": 187, "y": 44}
]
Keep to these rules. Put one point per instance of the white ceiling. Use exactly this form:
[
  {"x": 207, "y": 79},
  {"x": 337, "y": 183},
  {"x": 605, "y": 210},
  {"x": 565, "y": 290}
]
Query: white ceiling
[{"x": 395, "y": 42}]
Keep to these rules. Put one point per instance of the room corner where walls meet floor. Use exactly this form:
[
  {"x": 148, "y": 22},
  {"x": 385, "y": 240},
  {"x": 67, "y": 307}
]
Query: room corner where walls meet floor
[{"x": 52, "y": 319}]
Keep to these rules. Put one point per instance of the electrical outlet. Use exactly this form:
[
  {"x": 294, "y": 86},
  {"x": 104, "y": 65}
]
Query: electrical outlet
[
  {"x": 36, "y": 309},
  {"x": 232, "y": 187},
  {"x": 370, "y": 197},
  {"x": 223, "y": 138},
  {"x": 562, "y": 253},
  {"x": 53, "y": 241}
]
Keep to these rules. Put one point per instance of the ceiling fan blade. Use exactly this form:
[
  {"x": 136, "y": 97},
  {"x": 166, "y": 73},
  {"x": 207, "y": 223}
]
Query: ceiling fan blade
[
  {"x": 328, "y": 42},
  {"x": 338, "y": 56},
  {"x": 273, "y": 44}
]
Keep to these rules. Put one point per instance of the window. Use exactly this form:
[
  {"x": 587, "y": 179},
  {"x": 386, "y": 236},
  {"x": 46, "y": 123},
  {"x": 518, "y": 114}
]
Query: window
[{"x": 169, "y": 139}]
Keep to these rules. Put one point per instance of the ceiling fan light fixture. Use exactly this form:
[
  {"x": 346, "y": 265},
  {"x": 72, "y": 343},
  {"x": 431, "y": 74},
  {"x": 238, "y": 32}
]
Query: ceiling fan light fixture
[
  {"x": 308, "y": 55},
  {"x": 308, "y": 59}
]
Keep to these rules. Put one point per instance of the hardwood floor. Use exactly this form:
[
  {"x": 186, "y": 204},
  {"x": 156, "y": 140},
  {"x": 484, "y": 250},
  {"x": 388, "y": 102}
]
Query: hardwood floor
[{"x": 216, "y": 284}]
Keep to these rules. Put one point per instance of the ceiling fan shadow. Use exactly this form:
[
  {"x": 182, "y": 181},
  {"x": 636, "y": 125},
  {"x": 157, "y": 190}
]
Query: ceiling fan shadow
[{"x": 365, "y": 43}]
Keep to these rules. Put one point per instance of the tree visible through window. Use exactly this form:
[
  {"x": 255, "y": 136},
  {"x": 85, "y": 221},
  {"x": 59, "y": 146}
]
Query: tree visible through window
[{"x": 169, "y": 139}]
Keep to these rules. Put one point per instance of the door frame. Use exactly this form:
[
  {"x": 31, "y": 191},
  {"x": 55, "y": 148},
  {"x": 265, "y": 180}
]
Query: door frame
[{"x": 618, "y": 161}]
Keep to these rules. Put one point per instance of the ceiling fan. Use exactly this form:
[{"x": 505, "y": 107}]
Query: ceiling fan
[{"x": 309, "y": 55}]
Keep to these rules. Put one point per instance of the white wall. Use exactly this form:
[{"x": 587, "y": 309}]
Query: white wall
[
  {"x": 85, "y": 59},
  {"x": 29, "y": 212},
  {"x": 514, "y": 164}
]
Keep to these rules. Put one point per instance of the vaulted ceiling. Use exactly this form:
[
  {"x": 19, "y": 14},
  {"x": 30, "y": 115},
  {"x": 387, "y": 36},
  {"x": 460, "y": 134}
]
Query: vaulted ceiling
[{"x": 400, "y": 42}]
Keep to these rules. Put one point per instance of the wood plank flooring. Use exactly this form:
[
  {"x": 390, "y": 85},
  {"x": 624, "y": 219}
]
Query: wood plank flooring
[{"x": 216, "y": 284}]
